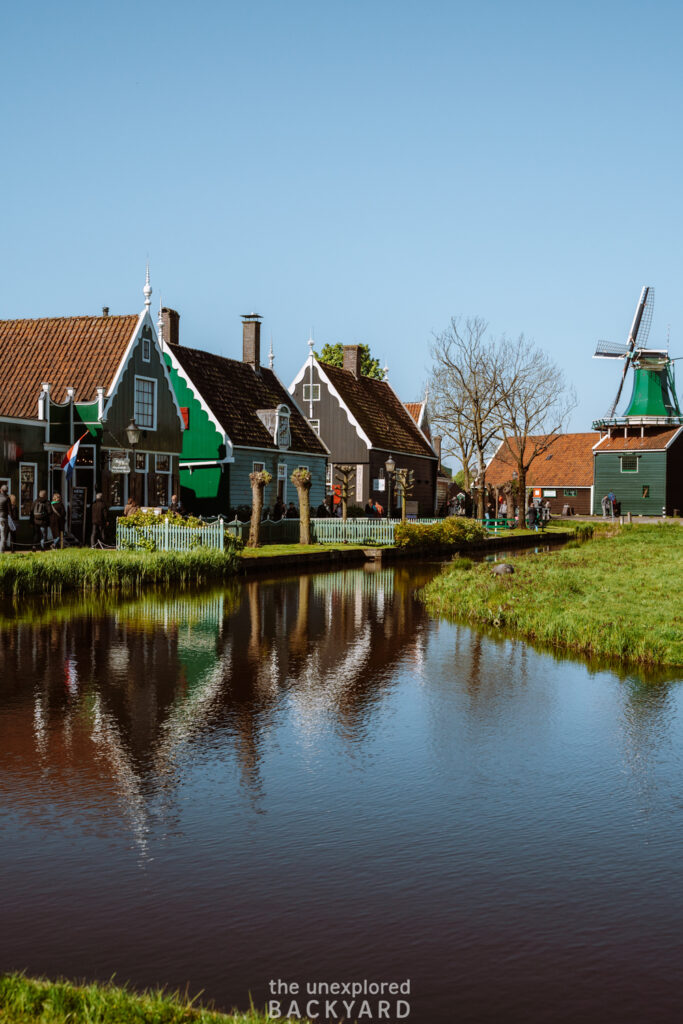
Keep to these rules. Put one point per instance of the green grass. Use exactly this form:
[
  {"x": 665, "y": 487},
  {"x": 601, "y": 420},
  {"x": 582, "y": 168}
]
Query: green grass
[
  {"x": 54, "y": 572},
  {"x": 270, "y": 550},
  {"x": 618, "y": 596},
  {"x": 27, "y": 1001}
]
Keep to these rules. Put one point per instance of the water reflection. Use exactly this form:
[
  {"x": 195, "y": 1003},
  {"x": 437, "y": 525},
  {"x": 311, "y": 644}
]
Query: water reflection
[{"x": 310, "y": 771}]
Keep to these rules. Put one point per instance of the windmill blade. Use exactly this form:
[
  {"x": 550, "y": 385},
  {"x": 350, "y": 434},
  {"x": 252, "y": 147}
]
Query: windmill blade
[
  {"x": 642, "y": 321},
  {"x": 610, "y": 350},
  {"x": 615, "y": 403}
]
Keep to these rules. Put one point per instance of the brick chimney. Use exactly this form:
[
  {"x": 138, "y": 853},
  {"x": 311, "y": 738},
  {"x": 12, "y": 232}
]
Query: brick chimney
[
  {"x": 352, "y": 357},
  {"x": 436, "y": 445},
  {"x": 170, "y": 320},
  {"x": 251, "y": 340}
]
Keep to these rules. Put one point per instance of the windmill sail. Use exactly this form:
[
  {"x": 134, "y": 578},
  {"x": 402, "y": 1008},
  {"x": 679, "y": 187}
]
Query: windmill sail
[
  {"x": 640, "y": 329},
  {"x": 610, "y": 350}
]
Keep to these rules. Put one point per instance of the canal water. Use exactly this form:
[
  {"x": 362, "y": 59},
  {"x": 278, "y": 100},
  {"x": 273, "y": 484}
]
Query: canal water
[{"x": 308, "y": 779}]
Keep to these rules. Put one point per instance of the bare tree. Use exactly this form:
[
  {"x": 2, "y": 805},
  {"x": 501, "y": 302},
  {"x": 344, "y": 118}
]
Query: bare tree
[
  {"x": 345, "y": 475},
  {"x": 535, "y": 403},
  {"x": 465, "y": 396}
]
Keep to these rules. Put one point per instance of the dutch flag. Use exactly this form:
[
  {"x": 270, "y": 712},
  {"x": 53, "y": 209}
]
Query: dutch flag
[{"x": 69, "y": 460}]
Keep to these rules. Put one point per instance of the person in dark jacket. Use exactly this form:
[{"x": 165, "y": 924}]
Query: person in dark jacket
[
  {"x": 278, "y": 510},
  {"x": 292, "y": 511},
  {"x": 40, "y": 517},
  {"x": 4, "y": 518},
  {"x": 99, "y": 515},
  {"x": 57, "y": 520}
]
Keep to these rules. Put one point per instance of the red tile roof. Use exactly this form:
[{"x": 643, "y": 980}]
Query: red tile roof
[
  {"x": 379, "y": 412},
  {"x": 234, "y": 393},
  {"x": 82, "y": 352},
  {"x": 568, "y": 462},
  {"x": 654, "y": 440},
  {"x": 415, "y": 409}
]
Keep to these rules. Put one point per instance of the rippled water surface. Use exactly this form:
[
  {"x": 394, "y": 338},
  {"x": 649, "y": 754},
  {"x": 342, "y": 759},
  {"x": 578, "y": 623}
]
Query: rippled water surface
[{"x": 309, "y": 779}]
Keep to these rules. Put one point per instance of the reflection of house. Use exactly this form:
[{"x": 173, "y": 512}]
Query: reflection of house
[
  {"x": 362, "y": 421},
  {"x": 63, "y": 377},
  {"x": 563, "y": 473},
  {"x": 239, "y": 418}
]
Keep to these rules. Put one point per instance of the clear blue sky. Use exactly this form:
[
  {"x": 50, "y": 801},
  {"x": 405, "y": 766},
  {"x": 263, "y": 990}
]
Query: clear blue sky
[{"x": 369, "y": 169}]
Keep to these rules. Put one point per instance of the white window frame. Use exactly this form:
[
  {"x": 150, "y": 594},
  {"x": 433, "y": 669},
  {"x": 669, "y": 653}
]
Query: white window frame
[
  {"x": 622, "y": 460},
  {"x": 258, "y": 467},
  {"x": 168, "y": 473},
  {"x": 282, "y": 475},
  {"x": 35, "y": 486},
  {"x": 146, "y": 350},
  {"x": 315, "y": 426},
  {"x": 329, "y": 476},
  {"x": 154, "y": 382},
  {"x": 313, "y": 389}
]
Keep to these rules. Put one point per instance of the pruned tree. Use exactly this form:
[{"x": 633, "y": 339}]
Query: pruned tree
[
  {"x": 259, "y": 481},
  {"x": 465, "y": 396},
  {"x": 345, "y": 475},
  {"x": 302, "y": 480},
  {"x": 405, "y": 481},
  {"x": 334, "y": 355},
  {"x": 535, "y": 404}
]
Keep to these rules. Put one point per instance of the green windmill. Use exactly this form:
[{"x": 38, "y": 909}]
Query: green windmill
[{"x": 653, "y": 398}]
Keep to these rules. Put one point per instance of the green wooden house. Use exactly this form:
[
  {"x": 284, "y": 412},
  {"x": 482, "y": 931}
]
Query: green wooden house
[
  {"x": 99, "y": 376},
  {"x": 238, "y": 418}
]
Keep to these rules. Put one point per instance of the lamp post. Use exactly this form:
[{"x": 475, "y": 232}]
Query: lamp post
[
  {"x": 390, "y": 467},
  {"x": 133, "y": 433}
]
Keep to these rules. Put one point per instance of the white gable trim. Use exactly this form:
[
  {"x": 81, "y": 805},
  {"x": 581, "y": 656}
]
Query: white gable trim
[
  {"x": 180, "y": 370},
  {"x": 333, "y": 391},
  {"x": 143, "y": 319},
  {"x": 298, "y": 408}
]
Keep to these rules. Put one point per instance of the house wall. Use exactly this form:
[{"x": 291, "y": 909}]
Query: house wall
[
  {"x": 579, "y": 502},
  {"x": 674, "y": 477},
  {"x": 168, "y": 436},
  {"x": 22, "y": 442},
  {"x": 424, "y": 491},
  {"x": 628, "y": 487},
  {"x": 243, "y": 466},
  {"x": 335, "y": 429}
]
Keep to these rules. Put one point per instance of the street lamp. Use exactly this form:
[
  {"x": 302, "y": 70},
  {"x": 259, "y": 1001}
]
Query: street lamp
[
  {"x": 133, "y": 433},
  {"x": 390, "y": 467}
]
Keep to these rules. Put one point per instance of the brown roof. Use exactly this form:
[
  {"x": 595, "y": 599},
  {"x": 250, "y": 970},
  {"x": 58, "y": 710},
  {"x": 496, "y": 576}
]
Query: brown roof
[
  {"x": 379, "y": 412},
  {"x": 654, "y": 440},
  {"x": 568, "y": 462},
  {"x": 82, "y": 352},
  {"x": 414, "y": 408},
  {"x": 234, "y": 393}
]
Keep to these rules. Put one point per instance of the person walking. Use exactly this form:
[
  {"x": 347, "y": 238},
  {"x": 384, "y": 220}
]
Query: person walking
[
  {"x": 12, "y": 520},
  {"x": 5, "y": 542},
  {"x": 57, "y": 520},
  {"x": 99, "y": 516},
  {"x": 40, "y": 517}
]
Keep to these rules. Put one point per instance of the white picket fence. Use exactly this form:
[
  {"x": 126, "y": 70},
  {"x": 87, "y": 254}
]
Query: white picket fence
[
  {"x": 167, "y": 536},
  {"x": 357, "y": 531}
]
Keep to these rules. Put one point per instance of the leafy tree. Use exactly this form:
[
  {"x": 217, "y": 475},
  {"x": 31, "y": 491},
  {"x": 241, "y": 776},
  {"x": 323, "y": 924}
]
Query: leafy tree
[{"x": 334, "y": 356}]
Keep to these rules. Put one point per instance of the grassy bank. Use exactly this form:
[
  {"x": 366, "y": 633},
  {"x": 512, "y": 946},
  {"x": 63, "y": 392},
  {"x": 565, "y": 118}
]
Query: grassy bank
[
  {"x": 27, "y": 1001},
  {"x": 617, "y": 596},
  {"x": 54, "y": 572}
]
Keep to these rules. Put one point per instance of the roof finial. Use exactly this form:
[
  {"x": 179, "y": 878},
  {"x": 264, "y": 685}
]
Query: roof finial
[
  {"x": 311, "y": 343},
  {"x": 160, "y": 326},
  {"x": 385, "y": 371},
  {"x": 147, "y": 290},
  {"x": 426, "y": 398},
  {"x": 271, "y": 357}
]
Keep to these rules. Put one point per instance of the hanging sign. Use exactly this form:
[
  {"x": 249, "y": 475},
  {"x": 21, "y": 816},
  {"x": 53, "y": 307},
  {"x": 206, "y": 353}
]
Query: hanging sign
[
  {"x": 537, "y": 492},
  {"x": 119, "y": 464}
]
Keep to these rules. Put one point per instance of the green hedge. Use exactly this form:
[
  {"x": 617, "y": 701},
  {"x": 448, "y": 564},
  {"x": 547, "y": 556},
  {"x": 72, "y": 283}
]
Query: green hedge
[{"x": 454, "y": 532}]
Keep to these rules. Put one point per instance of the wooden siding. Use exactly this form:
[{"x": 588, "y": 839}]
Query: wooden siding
[
  {"x": 336, "y": 431},
  {"x": 674, "y": 477},
  {"x": 201, "y": 440},
  {"x": 240, "y": 485},
  {"x": 22, "y": 442},
  {"x": 628, "y": 487},
  {"x": 168, "y": 434},
  {"x": 424, "y": 491}
]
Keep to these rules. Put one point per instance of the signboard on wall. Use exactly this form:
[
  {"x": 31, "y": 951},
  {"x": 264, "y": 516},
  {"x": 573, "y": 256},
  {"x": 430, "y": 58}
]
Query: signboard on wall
[
  {"x": 119, "y": 464},
  {"x": 378, "y": 485},
  {"x": 77, "y": 512},
  {"x": 549, "y": 493}
]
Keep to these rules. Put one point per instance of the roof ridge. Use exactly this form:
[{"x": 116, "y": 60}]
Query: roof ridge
[{"x": 79, "y": 316}]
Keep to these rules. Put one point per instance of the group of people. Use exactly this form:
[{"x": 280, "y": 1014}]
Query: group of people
[
  {"x": 281, "y": 511},
  {"x": 610, "y": 505}
]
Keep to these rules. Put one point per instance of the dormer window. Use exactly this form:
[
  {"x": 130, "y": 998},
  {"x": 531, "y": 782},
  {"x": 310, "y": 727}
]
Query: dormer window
[{"x": 283, "y": 437}]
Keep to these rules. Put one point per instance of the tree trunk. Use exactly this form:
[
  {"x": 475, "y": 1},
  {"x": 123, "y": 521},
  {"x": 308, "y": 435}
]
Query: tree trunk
[
  {"x": 304, "y": 494},
  {"x": 481, "y": 490},
  {"x": 521, "y": 473},
  {"x": 256, "y": 513}
]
